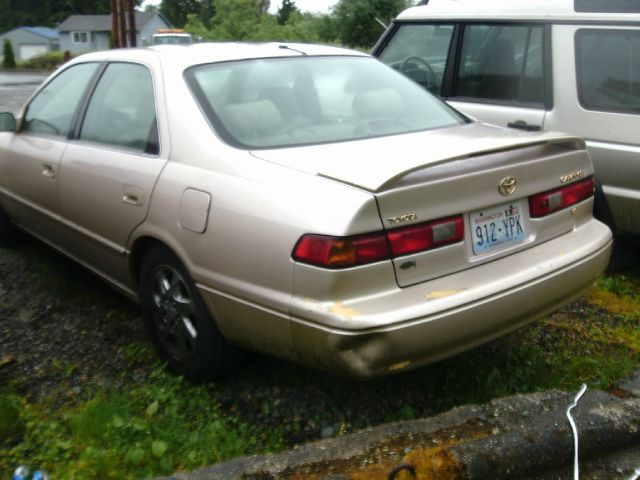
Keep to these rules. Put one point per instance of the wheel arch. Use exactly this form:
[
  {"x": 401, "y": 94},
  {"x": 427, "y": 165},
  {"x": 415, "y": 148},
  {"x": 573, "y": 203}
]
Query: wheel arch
[{"x": 140, "y": 247}]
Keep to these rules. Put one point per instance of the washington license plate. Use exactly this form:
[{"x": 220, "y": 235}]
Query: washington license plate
[{"x": 496, "y": 227}]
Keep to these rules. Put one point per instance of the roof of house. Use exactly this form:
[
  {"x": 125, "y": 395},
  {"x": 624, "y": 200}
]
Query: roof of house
[
  {"x": 48, "y": 33},
  {"x": 102, "y": 23},
  {"x": 44, "y": 32}
]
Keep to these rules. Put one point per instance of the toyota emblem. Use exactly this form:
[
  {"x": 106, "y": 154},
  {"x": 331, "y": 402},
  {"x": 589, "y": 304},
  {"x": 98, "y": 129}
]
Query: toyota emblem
[{"x": 507, "y": 186}]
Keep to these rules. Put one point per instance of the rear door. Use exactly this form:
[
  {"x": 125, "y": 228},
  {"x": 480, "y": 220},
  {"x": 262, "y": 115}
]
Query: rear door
[
  {"x": 498, "y": 73},
  {"x": 107, "y": 175},
  {"x": 600, "y": 101}
]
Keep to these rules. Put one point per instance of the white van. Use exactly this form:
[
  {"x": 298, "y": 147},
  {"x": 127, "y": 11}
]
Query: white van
[{"x": 568, "y": 65}]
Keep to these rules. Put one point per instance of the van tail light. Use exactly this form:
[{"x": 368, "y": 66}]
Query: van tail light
[
  {"x": 343, "y": 252},
  {"x": 546, "y": 203}
]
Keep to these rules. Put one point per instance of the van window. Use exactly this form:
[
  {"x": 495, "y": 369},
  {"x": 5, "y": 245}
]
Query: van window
[
  {"x": 608, "y": 82},
  {"x": 503, "y": 63},
  {"x": 607, "y": 6},
  {"x": 420, "y": 52}
]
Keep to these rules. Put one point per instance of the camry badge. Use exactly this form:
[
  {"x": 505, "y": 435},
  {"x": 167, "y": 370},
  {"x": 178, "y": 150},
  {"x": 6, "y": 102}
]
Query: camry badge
[
  {"x": 571, "y": 176},
  {"x": 507, "y": 186},
  {"x": 409, "y": 217}
]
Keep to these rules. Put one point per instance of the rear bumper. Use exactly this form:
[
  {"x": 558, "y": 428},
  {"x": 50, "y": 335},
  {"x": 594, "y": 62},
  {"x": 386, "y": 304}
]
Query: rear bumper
[{"x": 424, "y": 323}]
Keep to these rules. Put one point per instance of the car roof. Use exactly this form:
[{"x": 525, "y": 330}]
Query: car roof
[
  {"x": 546, "y": 10},
  {"x": 201, "y": 53}
]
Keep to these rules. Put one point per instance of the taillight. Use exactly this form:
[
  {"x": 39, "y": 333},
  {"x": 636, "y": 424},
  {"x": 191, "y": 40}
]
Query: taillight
[
  {"x": 546, "y": 203},
  {"x": 343, "y": 252},
  {"x": 425, "y": 236}
]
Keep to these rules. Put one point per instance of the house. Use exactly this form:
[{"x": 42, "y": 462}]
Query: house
[
  {"x": 28, "y": 42},
  {"x": 86, "y": 33}
]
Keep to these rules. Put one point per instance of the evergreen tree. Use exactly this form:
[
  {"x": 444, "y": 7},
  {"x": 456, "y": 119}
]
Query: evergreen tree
[
  {"x": 356, "y": 19},
  {"x": 285, "y": 11},
  {"x": 177, "y": 11},
  {"x": 48, "y": 13},
  {"x": 9, "y": 60}
]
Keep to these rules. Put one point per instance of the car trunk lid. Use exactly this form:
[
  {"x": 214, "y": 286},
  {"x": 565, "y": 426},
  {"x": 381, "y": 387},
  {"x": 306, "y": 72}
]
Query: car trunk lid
[
  {"x": 447, "y": 178},
  {"x": 374, "y": 164}
]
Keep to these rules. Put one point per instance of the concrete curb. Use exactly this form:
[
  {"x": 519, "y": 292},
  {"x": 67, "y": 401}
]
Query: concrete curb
[{"x": 523, "y": 436}]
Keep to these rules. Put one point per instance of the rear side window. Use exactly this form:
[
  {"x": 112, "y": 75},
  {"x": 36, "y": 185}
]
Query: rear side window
[
  {"x": 502, "y": 63},
  {"x": 420, "y": 52},
  {"x": 608, "y": 69},
  {"x": 121, "y": 111}
]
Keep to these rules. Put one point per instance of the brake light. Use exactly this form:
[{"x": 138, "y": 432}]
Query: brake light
[
  {"x": 343, "y": 252},
  {"x": 546, "y": 203},
  {"x": 418, "y": 238}
]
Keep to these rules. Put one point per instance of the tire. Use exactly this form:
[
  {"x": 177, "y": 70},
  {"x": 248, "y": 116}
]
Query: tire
[
  {"x": 182, "y": 330},
  {"x": 601, "y": 210},
  {"x": 8, "y": 233}
]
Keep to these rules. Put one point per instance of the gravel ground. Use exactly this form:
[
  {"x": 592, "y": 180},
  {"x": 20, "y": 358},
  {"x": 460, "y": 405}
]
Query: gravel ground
[{"x": 63, "y": 333}]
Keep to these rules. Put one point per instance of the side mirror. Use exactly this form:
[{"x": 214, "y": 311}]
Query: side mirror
[{"x": 7, "y": 122}]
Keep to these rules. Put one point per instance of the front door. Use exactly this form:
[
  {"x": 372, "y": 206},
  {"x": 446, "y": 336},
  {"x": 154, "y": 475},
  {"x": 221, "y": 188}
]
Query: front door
[{"x": 30, "y": 158}]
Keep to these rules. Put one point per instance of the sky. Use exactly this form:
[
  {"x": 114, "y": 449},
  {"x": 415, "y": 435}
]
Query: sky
[{"x": 316, "y": 6}]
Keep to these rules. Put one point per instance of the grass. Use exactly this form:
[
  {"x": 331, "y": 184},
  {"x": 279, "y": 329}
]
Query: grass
[
  {"x": 153, "y": 424},
  {"x": 157, "y": 427}
]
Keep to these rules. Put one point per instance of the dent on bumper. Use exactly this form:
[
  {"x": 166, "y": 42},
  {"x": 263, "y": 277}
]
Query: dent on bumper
[{"x": 453, "y": 319}]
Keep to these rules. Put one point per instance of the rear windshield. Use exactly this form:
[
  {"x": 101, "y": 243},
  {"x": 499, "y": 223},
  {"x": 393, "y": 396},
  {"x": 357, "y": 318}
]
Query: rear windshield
[{"x": 281, "y": 102}]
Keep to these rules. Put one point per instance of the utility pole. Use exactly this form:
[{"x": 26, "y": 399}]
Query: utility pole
[
  {"x": 132, "y": 23},
  {"x": 115, "y": 25},
  {"x": 122, "y": 18}
]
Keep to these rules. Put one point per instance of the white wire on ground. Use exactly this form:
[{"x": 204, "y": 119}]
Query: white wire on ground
[{"x": 576, "y": 467}]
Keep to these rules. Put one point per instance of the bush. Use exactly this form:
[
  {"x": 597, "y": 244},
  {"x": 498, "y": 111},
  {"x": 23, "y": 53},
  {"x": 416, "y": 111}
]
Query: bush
[
  {"x": 47, "y": 61},
  {"x": 9, "y": 60}
]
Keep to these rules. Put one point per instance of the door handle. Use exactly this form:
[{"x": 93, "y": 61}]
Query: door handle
[
  {"x": 48, "y": 171},
  {"x": 133, "y": 196},
  {"x": 522, "y": 125}
]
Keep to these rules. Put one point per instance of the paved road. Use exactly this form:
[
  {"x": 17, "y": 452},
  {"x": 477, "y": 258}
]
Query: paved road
[{"x": 15, "y": 88}]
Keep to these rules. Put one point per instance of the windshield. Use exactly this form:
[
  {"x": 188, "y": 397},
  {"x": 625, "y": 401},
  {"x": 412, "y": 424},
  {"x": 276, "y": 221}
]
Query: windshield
[
  {"x": 172, "y": 40},
  {"x": 279, "y": 102}
]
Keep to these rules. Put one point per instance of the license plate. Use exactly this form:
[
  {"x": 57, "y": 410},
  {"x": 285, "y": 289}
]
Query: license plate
[{"x": 496, "y": 227}]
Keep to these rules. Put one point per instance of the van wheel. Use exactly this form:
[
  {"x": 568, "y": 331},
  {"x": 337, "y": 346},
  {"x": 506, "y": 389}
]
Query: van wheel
[
  {"x": 601, "y": 209},
  {"x": 182, "y": 330},
  {"x": 8, "y": 233}
]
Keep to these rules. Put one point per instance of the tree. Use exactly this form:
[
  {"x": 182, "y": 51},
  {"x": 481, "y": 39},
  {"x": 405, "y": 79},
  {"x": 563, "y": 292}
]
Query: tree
[
  {"x": 263, "y": 5},
  {"x": 356, "y": 19},
  {"x": 177, "y": 11},
  {"x": 48, "y": 13},
  {"x": 9, "y": 60},
  {"x": 207, "y": 11},
  {"x": 285, "y": 11}
]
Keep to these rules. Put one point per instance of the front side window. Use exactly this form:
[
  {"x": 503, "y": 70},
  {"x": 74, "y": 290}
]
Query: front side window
[
  {"x": 304, "y": 100},
  {"x": 420, "y": 52},
  {"x": 608, "y": 69},
  {"x": 121, "y": 111},
  {"x": 52, "y": 109},
  {"x": 502, "y": 63}
]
